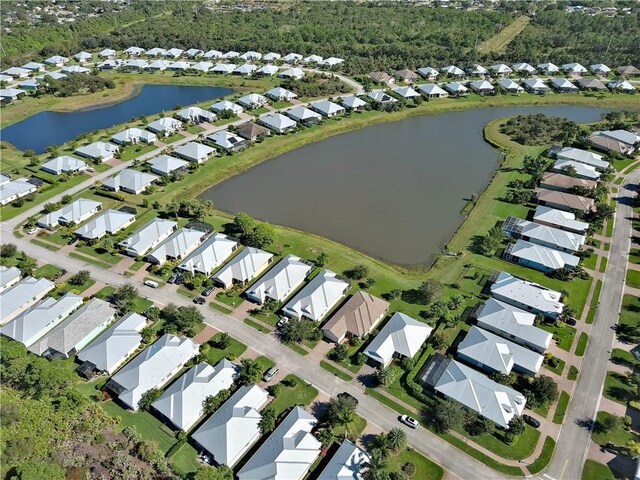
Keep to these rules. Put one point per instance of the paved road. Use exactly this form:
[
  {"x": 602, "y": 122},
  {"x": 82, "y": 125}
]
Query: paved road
[{"x": 573, "y": 443}]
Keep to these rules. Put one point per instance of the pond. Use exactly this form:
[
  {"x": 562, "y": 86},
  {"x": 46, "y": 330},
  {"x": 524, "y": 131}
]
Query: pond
[
  {"x": 55, "y": 128},
  {"x": 392, "y": 190}
]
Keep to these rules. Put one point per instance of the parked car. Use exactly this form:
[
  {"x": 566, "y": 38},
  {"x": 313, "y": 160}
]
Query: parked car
[
  {"x": 199, "y": 301},
  {"x": 570, "y": 321},
  {"x": 91, "y": 170},
  {"x": 531, "y": 421},
  {"x": 409, "y": 421},
  {"x": 207, "y": 291},
  {"x": 33, "y": 231},
  {"x": 179, "y": 279},
  {"x": 172, "y": 278},
  {"x": 348, "y": 395},
  {"x": 282, "y": 322},
  {"x": 72, "y": 241},
  {"x": 151, "y": 283},
  {"x": 269, "y": 374}
]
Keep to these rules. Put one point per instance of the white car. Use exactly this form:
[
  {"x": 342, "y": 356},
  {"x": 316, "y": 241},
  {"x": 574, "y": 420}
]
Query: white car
[
  {"x": 91, "y": 170},
  {"x": 151, "y": 283},
  {"x": 33, "y": 231},
  {"x": 409, "y": 421},
  {"x": 282, "y": 322}
]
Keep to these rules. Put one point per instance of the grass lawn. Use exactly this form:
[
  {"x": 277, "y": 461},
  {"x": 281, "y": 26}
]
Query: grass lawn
[
  {"x": 257, "y": 326},
  {"x": 172, "y": 138},
  {"x": 231, "y": 298},
  {"x": 561, "y": 408},
  {"x": 103, "y": 256},
  {"x": 47, "y": 271},
  {"x": 523, "y": 447},
  {"x": 617, "y": 436},
  {"x": 558, "y": 369},
  {"x": 597, "y": 471},
  {"x": 301, "y": 394},
  {"x": 582, "y": 344},
  {"x": 630, "y": 309},
  {"x": 624, "y": 357},
  {"x": 333, "y": 370},
  {"x": 573, "y": 373},
  {"x": 193, "y": 129},
  {"x": 590, "y": 261},
  {"x": 562, "y": 334},
  {"x": 634, "y": 255},
  {"x": 133, "y": 151},
  {"x": 545, "y": 456},
  {"x": 615, "y": 389},
  {"x": 296, "y": 348},
  {"x": 64, "y": 288},
  {"x": 214, "y": 355},
  {"x": 184, "y": 460},
  {"x": 603, "y": 265},
  {"x": 220, "y": 308},
  {"x": 425, "y": 468},
  {"x": 46, "y": 245},
  {"x": 265, "y": 362},
  {"x": 633, "y": 278},
  {"x": 593, "y": 307},
  {"x": 281, "y": 104},
  {"x": 137, "y": 265},
  {"x": 354, "y": 428}
]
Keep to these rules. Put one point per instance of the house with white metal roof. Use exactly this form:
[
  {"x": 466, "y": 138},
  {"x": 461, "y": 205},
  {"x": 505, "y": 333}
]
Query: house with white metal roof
[
  {"x": 245, "y": 70},
  {"x": 182, "y": 403},
  {"x": 234, "y": 428},
  {"x": 152, "y": 368},
  {"x": 83, "y": 57},
  {"x": 149, "y": 236},
  {"x": 226, "y": 105},
  {"x": 34, "y": 66},
  {"x": 107, "y": 53},
  {"x": 544, "y": 235},
  {"x": 621, "y": 86},
  {"x": 53, "y": 75},
  {"x": 381, "y": 96},
  {"x": 155, "y": 52},
  {"x": 175, "y": 66},
  {"x": 429, "y": 73},
  {"x": 524, "y": 68},
  {"x": 482, "y": 87},
  {"x": 210, "y": 255},
  {"x": 600, "y": 69},
  {"x": 431, "y": 90},
  {"x": 132, "y": 136},
  {"x": 56, "y": 61},
  {"x": 629, "y": 138},
  {"x": 178, "y": 246},
  {"x": 581, "y": 170},
  {"x": 402, "y": 336},
  {"x": 231, "y": 54},
  {"x": 289, "y": 451},
  {"x": 15, "y": 189},
  {"x": 583, "y": 156},
  {"x": 271, "y": 57},
  {"x": 253, "y": 100},
  {"x": 166, "y": 164},
  {"x": 194, "y": 152},
  {"x": 277, "y": 122},
  {"x": 98, "y": 151},
  {"x": 228, "y": 141},
  {"x": 331, "y": 62},
  {"x": 476, "y": 70},
  {"x": 295, "y": 73},
  {"x": 267, "y": 71},
  {"x": 457, "y": 89},
  {"x": 22, "y": 295},
  {"x": 280, "y": 94},
  {"x": 173, "y": 53},
  {"x": 17, "y": 72},
  {"x": 317, "y": 297},
  {"x": 501, "y": 70},
  {"x": 9, "y": 276},
  {"x": 513, "y": 324},
  {"x": 11, "y": 93},
  {"x": 540, "y": 258},
  {"x": 562, "y": 85},
  {"x": 453, "y": 71},
  {"x": 406, "y": 92},
  {"x": 327, "y": 108},
  {"x": 527, "y": 296},
  {"x": 212, "y": 54},
  {"x": 223, "y": 68},
  {"x": 39, "y": 319},
  {"x": 203, "y": 67},
  {"x": 536, "y": 86},
  {"x": 130, "y": 181},
  {"x": 353, "y": 103},
  {"x": 574, "y": 68},
  {"x": 136, "y": 64},
  {"x": 165, "y": 126},
  {"x": 251, "y": 56},
  {"x": 64, "y": 164},
  {"x": 157, "y": 66},
  {"x": 292, "y": 58},
  {"x": 304, "y": 115},
  {"x": 75, "y": 69},
  {"x": 312, "y": 59},
  {"x": 73, "y": 213},
  {"x": 558, "y": 218},
  {"x": 30, "y": 85},
  {"x": 281, "y": 281},
  {"x": 112, "y": 348},
  {"x": 512, "y": 87},
  {"x": 243, "y": 268},
  {"x": 111, "y": 221},
  {"x": 134, "y": 51},
  {"x": 348, "y": 463},
  {"x": 194, "y": 53},
  {"x": 494, "y": 354}
]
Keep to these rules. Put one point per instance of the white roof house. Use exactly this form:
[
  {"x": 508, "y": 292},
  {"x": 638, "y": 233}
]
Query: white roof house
[
  {"x": 64, "y": 164},
  {"x": 563, "y": 85},
  {"x": 453, "y": 71},
  {"x": 501, "y": 69},
  {"x": 347, "y": 463},
  {"x": 130, "y": 181},
  {"x": 513, "y": 324},
  {"x": 9, "y": 276},
  {"x": 292, "y": 58},
  {"x": 495, "y": 354},
  {"x": 165, "y": 126},
  {"x": 180, "y": 244},
  {"x": 528, "y": 296},
  {"x": 116, "y": 344},
  {"x": 231, "y": 54},
  {"x": 148, "y": 237},
  {"x": 212, "y": 54},
  {"x": 22, "y": 295},
  {"x": 599, "y": 69},
  {"x": 353, "y": 103},
  {"x": 99, "y": 151},
  {"x": 267, "y": 70},
  {"x": 332, "y": 61},
  {"x": 133, "y": 51},
  {"x": 158, "y": 65},
  {"x": 271, "y": 57},
  {"x": 166, "y": 164},
  {"x": 133, "y": 136},
  {"x": 181, "y": 403},
  {"x": 621, "y": 86},
  {"x": 253, "y": 100},
  {"x": 194, "y": 152},
  {"x": 544, "y": 235},
  {"x": 75, "y": 69},
  {"x": 75, "y": 212},
  {"x": 456, "y": 88},
  {"x": 202, "y": 66},
  {"x": 226, "y": 105},
  {"x": 76, "y": 331},
  {"x": 558, "y": 218},
  {"x": 246, "y": 69},
  {"x": 244, "y": 267},
  {"x": 624, "y": 136},
  {"x": 82, "y": 56},
  {"x": 56, "y": 60},
  {"x": 479, "y": 393},
  {"x": 227, "y": 141},
  {"x": 295, "y": 73},
  {"x": 39, "y": 319},
  {"x": 179, "y": 65},
  {"x": 277, "y": 122},
  {"x": 481, "y": 87},
  {"x": 327, "y": 108},
  {"x": 152, "y": 368},
  {"x": 381, "y": 96},
  {"x": 111, "y": 64},
  {"x": 34, "y": 66},
  {"x": 12, "y": 93},
  {"x": 539, "y": 257},
  {"x": 282, "y": 280},
  {"x": 30, "y": 84},
  {"x": 136, "y": 64},
  {"x": 574, "y": 68},
  {"x": 289, "y": 451},
  {"x": 401, "y": 336},
  {"x": 406, "y": 92},
  {"x": 107, "y": 53},
  {"x": 231, "y": 431},
  {"x": 319, "y": 296},
  {"x": 512, "y": 87},
  {"x": 251, "y": 56},
  {"x": 582, "y": 170},
  {"x": 173, "y": 52},
  {"x": 523, "y": 68},
  {"x": 17, "y": 72},
  {"x": 536, "y": 85},
  {"x": 196, "y": 115},
  {"x": 312, "y": 59},
  {"x": 280, "y": 94},
  {"x": 15, "y": 189},
  {"x": 431, "y": 90},
  {"x": 210, "y": 255},
  {"x": 223, "y": 68},
  {"x": 477, "y": 70},
  {"x": 194, "y": 53},
  {"x": 303, "y": 115},
  {"x": 583, "y": 156},
  {"x": 111, "y": 221},
  {"x": 428, "y": 72},
  {"x": 155, "y": 52}
]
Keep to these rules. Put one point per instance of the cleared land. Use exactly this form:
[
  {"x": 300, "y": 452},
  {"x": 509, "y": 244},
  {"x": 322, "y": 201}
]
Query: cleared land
[{"x": 498, "y": 43}]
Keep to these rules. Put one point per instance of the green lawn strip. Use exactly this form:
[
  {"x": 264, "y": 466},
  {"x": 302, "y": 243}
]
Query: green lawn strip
[
  {"x": 562, "y": 334},
  {"x": 257, "y": 326},
  {"x": 616, "y": 389},
  {"x": 597, "y": 471},
  {"x": 296, "y": 348},
  {"x": 607, "y": 247},
  {"x": 149, "y": 427},
  {"x": 629, "y": 312},
  {"x": 573, "y": 373},
  {"x": 104, "y": 257},
  {"x": 617, "y": 436},
  {"x": 65, "y": 287},
  {"x": 603, "y": 264},
  {"x": 134, "y": 151},
  {"x": 557, "y": 369},
  {"x": 543, "y": 411},
  {"x": 561, "y": 408},
  {"x": 545, "y": 456},
  {"x": 230, "y": 298},
  {"x": 220, "y": 308},
  {"x": 186, "y": 292},
  {"x": 172, "y": 138},
  {"x": 193, "y": 129},
  {"x": 619, "y": 181},
  {"x": 425, "y": 468},
  {"x": 46, "y": 245},
  {"x": 235, "y": 349},
  {"x": 185, "y": 460},
  {"x": 47, "y": 271},
  {"x": 582, "y": 344},
  {"x": 354, "y": 428},
  {"x": 590, "y": 261},
  {"x": 593, "y": 307},
  {"x": 522, "y": 447},
  {"x": 609, "y": 230},
  {"x": 633, "y": 278},
  {"x": 265, "y": 363},
  {"x": 624, "y": 357},
  {"x": 137, "y": 265},
  {"x": 91, "y": 260},
  {"x": 634, "y": 256},
  {"x": 302, "y": 394},
  {"x": 333, "y": 370}
]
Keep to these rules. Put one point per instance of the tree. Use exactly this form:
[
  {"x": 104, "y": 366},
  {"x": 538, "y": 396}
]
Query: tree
[
  {"x": 450, "y": 415},
  {"x": 149, "y": 397},
  {"x": 429, "y": 290},
  {"x": 66, "y": 199},
  {"x": 27, "y": 265},
  {"x": 607, "y": 423},
  {"x": 341, "y": 411},
  {"x": 534, "y": 165},
  {"x": 33, "y": 471},
  {"x": 633, "y": 449},
  {"x": 250, "y": 371},
  {"x": 517, "y": 425},
  {"x": 296, "y": 330},
  {"x": 408, "y": 364},
  {"x": 222, "y": 472},
  {"x": 397, "y": 439},
  {"x": 340, "y": 353},
  {"x": 243, "y": 223},
  {"x": 541, "y": 391},
  {"x": 357, "y": 273},
  {"x": 376, "y": 467},
  {"x": 321, "y": 259},
  {"x": 181, "y": 320},
  {"x": 325, "y": 437},
  {"x": 268, "y": 421},
  {"x": 80, "y": 278},
  {"x": 260, "y": 237},
  {"x": 438, "y": 310},
  {"x": 124, "y": 298},
  {"x": 8, "y": 250},
  {"x": 491, "y": 242},
  {"x": 222, "y": 341},
  {"x": 386, "y": 375},
  {"x": 213, "y": 402}
]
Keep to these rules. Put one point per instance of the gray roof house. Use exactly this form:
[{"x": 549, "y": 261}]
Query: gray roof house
[
  {"x": 583, "y": 156},
  {"x": 252, "y": 131},
  {"x": 327, "y": 108},
  {"x": 590, "y": 83},
  {"x": 346, "y": 464},
  {"x": 304, "y": 115},
  {"x": 524, "y": 68},
  {"x": 289, "y": 451},
  {"x": 10, "y": 191},
  {"x": 621, "y": 86},
  {"x": 22, "y": 295},
  {"x": 501, "y": 69},
  {"x": 548, "y": 68},
  {"x": 281, "y": 94},
  {"x": 277, "y": 122},
  {"x": 165, "y": 126},
  {"x": 112, "y": 348},
  {"x": 73, "y": 213},
  {"x": 245, "y": 70},
  {"x": 494, "y": 354},
  {"x": 527, "y": 296},
  {"x": 64, "y": 164},
  {"x": 56, "y": 60},
  {"x": 574, "y": 68},
  {"x": 233, "y": 429},
  {"x": 210, "y": 255},
  {"x": 353, "y": 103},
  {"x": 166, "y": 164},
  {"x": 513, "y": 324},
  {"x": 181, "y": 403},
  {"x": 453, "y": 71},
  {"x": 457, "y": 89},
  {"x": 406, "y": 92},
  {"x": 431, "y": 90},
  {"x": 223, "y": 68},
  {"x": 242, "y": 268},
  {"x": 9, "y": 276},
  {"x": 266, "y": 71},
  {"x": 401, "y": 336},
  {"x": 512, "y": 87},
  {"x": 39, "y": 319},
  {"x": 132, "y": 136},
  {"x": 157, "y": 66},
  {"x": 319, "y": 296},
  {"x": 624, "y": 136},
  {"x": 148, "y": 237},
  {"x": 600, "y": 69},
  {"x": 228, "y": 141},
  {"x": 130, "y": 181},
  {"x": 428, "y": 72},
  {"x": 152, "y": 368},
  {"x": 582, "y": 170},
  {"x": 482, "y": 87},
  {"x": 180, "y": 244},
  {"x": 562, "y": 85},
  {"x": 226, "y": 105},
  {"x": 98, "y": 151},
  {"x": 536, "y": 86},
  {"x": 111, "y": 221},
  {"x": 381, "y": 96},
  {"x": 76, "y": 331},
  {"x": 281, "y": 281},
  {"x": 558, "y": 218},
  {"x": 477, "y": 70},
  {"x": 17, "y": 72},
  {"x": 253, "y": 100},
  {"x": 194, "y": 152},
  {"x": 538, "y": 257},
  {"x": 34, "y": 66},
  {"x": 75, "y": 69},
  {"x": 196, "y": 115},
  {"x": 544, "y": 235}
]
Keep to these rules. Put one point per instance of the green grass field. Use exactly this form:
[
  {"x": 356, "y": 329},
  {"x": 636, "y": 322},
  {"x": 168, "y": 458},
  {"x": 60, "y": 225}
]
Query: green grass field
[
  {"x": 545, "y": 456},
  {"x": 617, "y": 436},
  {"x": 561, "y": 408},
  {"x": 582, "y": 344},
  {"x": 235, "y": 349},
  {"x": 633, "y": 278},
  {"x": 333, "y": 370},
  {"x": 616, "y": 389},
  {"x": 301, "y": 394}
]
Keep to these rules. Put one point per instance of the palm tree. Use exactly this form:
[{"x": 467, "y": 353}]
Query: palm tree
[
  {"x": 376, "y": 467},
  {"x": 250, "y": 371},
  {"x": 27, "y": 265},
  {"x": 385, "y": 375},
  {"x": 397, "y": 439}
]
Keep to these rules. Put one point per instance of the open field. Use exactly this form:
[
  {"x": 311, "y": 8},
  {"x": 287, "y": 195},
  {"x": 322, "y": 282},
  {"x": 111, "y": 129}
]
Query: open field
[{"x": 498, "y": 43}]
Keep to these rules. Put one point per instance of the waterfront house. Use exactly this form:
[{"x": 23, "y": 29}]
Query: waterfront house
[
  {"x": 110, "y": 64},
  {"x": 510, "y": 86},
  {"x": 266, "y": 71},
  {"x": 540, "y": 258},
  {"x": 544, "y": 235},
  {"x": 202, "y": 67},
  {"x": 381, "y": 96},
  {"x": 11, "y": 94},
  {"x": 565, "y": 201},
  {"x": 64, "y": 164},
  {"x": 110, "y": 222},
  {"x": 609, "y": 145},
  {"x": 294, "y": 73},
  {"x": 583, "y": 156},
  {"x": 562, "y": 85},
  {"x": 165, "y": 126},
  {"x": 226, "y": 106},
  {"x": 406, "y": 92},
  {"x": 71, "y": 214},
  {"x": 304, "y": 115},
  {"x": 525, "y": 295},
  {"x": 179, "y": 66},
  {"x": 227, "y": 141},
  {"x": 223, "y": 68},
  {"x": 210, "y": 255},
  {"x": 179, "y": 245},
  {"x": 98, "y": 151},
  {"x": 353, "y": 103},
  {"x": 431, "y": 90},
  {"x": 196, "y": 115},
  {"x": 591, "y": 84},
  {"x": 165, "y": 165},
  {"x": 243, "y": 268},
  {"x": 456, "y": 89},
  {"x": 252, "y": 131},
  {"x": 277, "y": 122},
  {"x": 581, "y": 170},
  {"x": 130, "y": 181},
  {"x": 565, "y": 183},
  {"x": 149, "y": 236},
  {"x": 245, "y": 70},
  {"x": 356, "y": 318},
  {"x": 194, "y": 152},
  {"x": 133, "y": 136},
  {"x": 630, "y": 139},
  {"x": 621, "y": 86},
  {"x": 30, "y": 85},
  {"x": 157, "y": 66},
  {"x": 279, "y": 282},
  {"x": 280, "y": 94},
  {"x": 482, "y": 87},
  {"x": 558, "y": 218},
  {"x": 536, "y": 86},
  {"x": 253, "y": 100},
  {"x": 327, "y": 108},
  {"x": 135, "y": 64}
]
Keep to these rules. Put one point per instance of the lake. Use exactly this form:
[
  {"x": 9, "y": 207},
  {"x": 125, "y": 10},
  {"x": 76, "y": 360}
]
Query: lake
[
  {"x": 55, "y": 128},
  {"x": 392, "y": 190}
]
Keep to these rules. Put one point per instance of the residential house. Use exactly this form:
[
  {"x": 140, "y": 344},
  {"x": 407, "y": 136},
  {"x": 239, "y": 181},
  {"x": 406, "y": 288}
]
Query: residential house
[
  {"x": 17, "y": 72},
  {"x": 83, "y": 57},
  {"x": 111, "y": 221},
  {"x": 210, "y": 255},
  {"x": 381, "y": 96},
  {"x": 227, "y": 106},
  {"x": 98, "y": 151},
  {"x": 312, "y": 59},
  {"x": 581, "y": 170},
  {"x": 277, "y": 122},
  {"x": 431, "y": 90},
  {"x": 600, "y": 69},
  {"x": 57, "y": 61},
  {"x": 178, "y": 246},
  {"x": 627, "y": 71},
  {"x": 540, "y": 258},
  {"x": 281, "y": 281},
  {"x": 304, "y": 115},
  {"x": 253, "y": 100},
  {"x": 64, "y": 164},
  {"x": 271, "y": 57},
  {"x": 234, "y": 428},
  {"x": 544, "y": 235},
  {"x": 356, "y": 318},
  {"x": 244, "y": 70},
  {"x": 30, "y": 85},
  {"x": 353, "y": 103},
  {"x": 501, "y": 70},
  {"x": 223, "y": 68},
  {"x": 11, "y": 93},
  {"x": 179, "y": 66},
  {"x": 408, "y": 76},
  {"x": 280, "y": 94},
  {"x": 182, "y": 403},
  {"x": 228, "y": 141},
  {"x": 512, "y": 87},
  {"x": 453, "y": 71},
  {"x": 266, "y": 71},
  {"x": 562, "y": 85},
  {"x": 75, "y": 69},
  {"x": 565, "y": 201},
  {"x": 157, "y": 66},
  {"x": 406, "y": 92},
  {"x": 536, "y": 86},
  {"x": 294, "y": 73},
  {"x": 456, "y": 89},
  {"x": 381, "y": 77},
  {"x": 583, "y": 156},
  {"x": 628, "y": 138},
  {"x": 11, "y": 191},
  {"x": 622, "y": 86},
  {"x": 477, "y": 71},
  {"x": 52, "y": 75},
  {"x": 524, "y": 69},
  {"x": 152, "y": 368},
  {"x": 173, "y": 53},
  {"x": 115, "y": 345},
  {"x": 130, "y": 181},
  {"x": 401, "y": 337},
  {"x": 252, "y": 131},
  {"x": 212, "y": 54},
  {"x": 609, "y": 145},
  {"x": 558, "y": 218},
  {"x": 76, "y": 331},
  {"x": 243, "y": 268},
  {"x": 251, "y": 56},
  {"x": 111, "y": 64},
  {"x": 482, "y": 87},
  {"x": 348, "y": 463},
  {"x": 331, "y": 62},
  {"x": 292, "y": 58},
  {"x": 194, "y": 152},
  {"x": 166, "y": 165},
  {"x": 165, "y": 126},
  {"x": 194, "y": 53},
  {"x": 9, "y": 276},
  {"x": 107, "y": 53},
  {"x": 327, "y": 108},
  {"x": 429, "y": 73},
  {"x": 34, "y": 67},
  {"x": 574, "y": 69},
  {"x": 527, "y": 296},
  {"x": 565, "y": 183},
  {"x": 289, "y": 451},
  {"x": 71, "y": 214},
  {"x": 134, "y": 51},
  {"x": 591, "y": 84},
  {"x": 203, "y": 67},
  {"x": 136, "y": 64},
  {"x": 319, "y": 296},
  {"x": 230, "y": 54},
  {"x": 148, "y": 237},
  {"x": 133, "y": 136}
]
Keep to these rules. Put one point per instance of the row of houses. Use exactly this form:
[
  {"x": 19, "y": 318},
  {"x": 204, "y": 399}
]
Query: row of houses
[{"x": 13, "y": 189}]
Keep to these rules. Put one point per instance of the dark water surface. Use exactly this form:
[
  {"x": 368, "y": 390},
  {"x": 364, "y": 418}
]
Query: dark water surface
[
  {"x": 393, "y": 190},
  {"x": 55, "y": 128}
]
